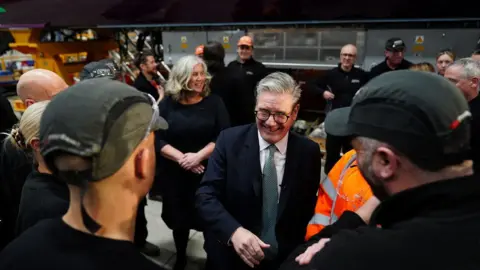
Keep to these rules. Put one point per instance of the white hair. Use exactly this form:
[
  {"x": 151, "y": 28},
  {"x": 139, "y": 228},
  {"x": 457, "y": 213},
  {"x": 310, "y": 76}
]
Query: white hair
[
  {"x": 177, "y": 84},
  {"x": 280, "y": 83},
  {"x": 471, "y": 68}
]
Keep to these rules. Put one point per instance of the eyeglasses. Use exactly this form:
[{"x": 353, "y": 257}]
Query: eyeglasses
[
  {"x": 264, "y": 115},
  {"x": 348, "y": 55}
]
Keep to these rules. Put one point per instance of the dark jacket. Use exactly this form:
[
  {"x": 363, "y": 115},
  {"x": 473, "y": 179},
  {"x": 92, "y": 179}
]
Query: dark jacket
[
  {"x": 474, "y": 105},
  {"x": 44, "y": 196},
  {"x": 235, "y": 93},
  {"x": 383, "y": 67},
  {"x": 15, "y": 166},
  {"x": 144, "y": 85},
  {"x": 230, "y": 194},
  {"x": 252, "y": 69},
  {"x": 344, "y": 85},
  {"x": 434, "y": 226}
]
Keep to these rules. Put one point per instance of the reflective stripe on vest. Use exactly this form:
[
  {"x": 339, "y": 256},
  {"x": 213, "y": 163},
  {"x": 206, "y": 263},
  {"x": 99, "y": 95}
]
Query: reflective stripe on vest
[
  {"x": 352, "y": 159},
  {"x": 332, "y": 192}
]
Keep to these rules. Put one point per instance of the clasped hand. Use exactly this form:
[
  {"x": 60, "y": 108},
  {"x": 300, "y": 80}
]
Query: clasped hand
[{"x": 191, "y": 162}]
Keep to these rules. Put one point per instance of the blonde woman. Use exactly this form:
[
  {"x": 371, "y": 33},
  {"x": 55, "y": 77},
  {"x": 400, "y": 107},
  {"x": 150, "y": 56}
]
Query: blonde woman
[
  {"x": 195, "y": 119},
  {"x": 443, "y": 60},
  {"x": 43, "y": 195}
]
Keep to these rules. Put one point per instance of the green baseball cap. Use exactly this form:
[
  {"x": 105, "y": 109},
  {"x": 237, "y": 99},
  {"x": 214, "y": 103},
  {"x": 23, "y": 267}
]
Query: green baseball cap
[
  {"x": 100, "y": 119},
  {"x": 421, "y": 114}
]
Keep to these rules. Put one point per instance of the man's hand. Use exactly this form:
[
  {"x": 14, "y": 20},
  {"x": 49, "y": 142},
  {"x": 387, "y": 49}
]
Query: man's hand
[
  {"x": 328, "y": 95},
  {"x": 190, "y": 160},
  {"x": 306, "y": 257},
  {"x": 248, "y": 246}
]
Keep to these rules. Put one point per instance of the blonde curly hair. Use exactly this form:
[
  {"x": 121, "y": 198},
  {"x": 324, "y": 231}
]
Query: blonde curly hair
[{"x": 177, "y": 84}]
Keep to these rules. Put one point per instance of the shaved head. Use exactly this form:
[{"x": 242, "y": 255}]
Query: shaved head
[
  {"x": 349, "y": 48},
  {"x": 39, "y": 85}
]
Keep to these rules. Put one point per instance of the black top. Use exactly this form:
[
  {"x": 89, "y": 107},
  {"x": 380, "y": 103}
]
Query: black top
[
  {"x": 383, "y": 67},
  {"x": 7, "y": 116},
  {"x": 475, "y": 133},
  {"x": 343, "y": 84},
  {"x": 15, "y": 166},
  {"x": 434, "y": 226},
  {"x": 254, "y": 71},
  {"x": 52, "y": 244},
  {"x": 43, "y": 197},
  {"x": 234, "y": 89},
  {"x": 192, "y": 127}
]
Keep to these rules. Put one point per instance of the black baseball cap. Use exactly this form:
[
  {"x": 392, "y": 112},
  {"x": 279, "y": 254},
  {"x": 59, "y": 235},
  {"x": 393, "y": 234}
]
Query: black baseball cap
[
  {"x": 395, "y": 44},
  {"x": 100, "y": 119},
  {"x": 105, "y": 68},
  {"x": 422, "y": 115}
]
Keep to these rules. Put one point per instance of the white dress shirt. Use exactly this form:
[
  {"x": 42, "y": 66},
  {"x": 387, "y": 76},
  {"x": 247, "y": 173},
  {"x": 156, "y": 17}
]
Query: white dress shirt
[{"x": 279, "y": 157}]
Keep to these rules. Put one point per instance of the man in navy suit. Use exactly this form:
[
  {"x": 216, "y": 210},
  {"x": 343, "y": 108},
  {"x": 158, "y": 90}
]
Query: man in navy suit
[{"x": 259, "y": 190}]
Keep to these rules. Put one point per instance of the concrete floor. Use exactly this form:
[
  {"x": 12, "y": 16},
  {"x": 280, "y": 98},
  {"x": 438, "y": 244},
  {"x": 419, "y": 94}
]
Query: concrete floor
[{"x": 160, "y": 235}]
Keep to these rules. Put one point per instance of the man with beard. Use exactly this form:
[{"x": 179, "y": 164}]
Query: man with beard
[
  {"x": 412, "y": 148},
  {"x": 394, "y": 58},
  {"x": 148, "y": 81}
]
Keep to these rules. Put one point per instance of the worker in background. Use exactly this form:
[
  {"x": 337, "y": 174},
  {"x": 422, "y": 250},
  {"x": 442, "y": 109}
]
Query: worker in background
[
  {"x": 338, "y": 87},
  {"x": 412, "y": 148},
  {"x": 443, "y": 60},
  {"x": 33, "y": 86},
  {"x": 229, "y": 85},
  {"x": 97, "y": 137},
  {"x": 148, "y": 80},
  {"x": 247, "y": 65},
  {"x": 476, "y": 54},
  {"x": 465, "y": 74},
  {"x": 107, "y": 69},
  {"x": 344, "y": 189},
  {"x": 199, "y": 51},
  {"x": 394, "y": 58}
]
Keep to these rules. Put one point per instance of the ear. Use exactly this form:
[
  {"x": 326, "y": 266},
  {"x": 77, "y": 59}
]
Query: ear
[
  {"x": 28, "y": 102},
  {"x": 141, "y": 163},
  {"x": 474, "y": 83},
  {"x": 35, "y": 143},
  {"x": 295, "y": 111},
  {"x": 385, "y": 163}
]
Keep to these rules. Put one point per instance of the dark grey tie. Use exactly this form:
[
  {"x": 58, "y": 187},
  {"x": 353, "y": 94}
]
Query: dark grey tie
[{"x": 270, "y": 200}]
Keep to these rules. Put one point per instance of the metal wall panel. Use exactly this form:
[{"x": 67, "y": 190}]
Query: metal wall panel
[
  {"x": 179, "y": 44},
  {"x": 422, "y": 44}
]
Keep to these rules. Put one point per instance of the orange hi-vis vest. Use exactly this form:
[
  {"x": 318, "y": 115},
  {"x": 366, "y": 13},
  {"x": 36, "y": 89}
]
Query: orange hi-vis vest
[{"x": 343, "y": 189}]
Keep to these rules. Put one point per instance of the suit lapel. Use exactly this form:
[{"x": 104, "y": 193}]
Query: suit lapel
[
  {"x": 250, "y": 161},
  {"x": 289, "y": 176}
]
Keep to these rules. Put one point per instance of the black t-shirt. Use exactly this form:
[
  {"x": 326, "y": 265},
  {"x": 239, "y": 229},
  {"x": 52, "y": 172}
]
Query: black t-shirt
[
  {"x": 44, "y": 196},
  {"x": 53, "y": 245}
]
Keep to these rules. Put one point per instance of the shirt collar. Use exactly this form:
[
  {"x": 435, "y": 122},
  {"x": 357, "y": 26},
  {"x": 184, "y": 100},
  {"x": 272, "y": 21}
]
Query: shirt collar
[{"x": 281, "y": 145}]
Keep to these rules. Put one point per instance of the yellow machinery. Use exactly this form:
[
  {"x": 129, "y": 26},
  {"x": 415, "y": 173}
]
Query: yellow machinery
[{"x": 64, "y": 58}]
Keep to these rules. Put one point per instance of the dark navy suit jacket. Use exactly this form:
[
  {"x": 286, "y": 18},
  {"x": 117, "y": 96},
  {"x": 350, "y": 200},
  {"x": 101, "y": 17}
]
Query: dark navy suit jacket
[{"x": 230, "y": 194}]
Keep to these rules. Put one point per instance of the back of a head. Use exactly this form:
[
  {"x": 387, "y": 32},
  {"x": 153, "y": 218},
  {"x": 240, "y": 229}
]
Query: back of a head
[
  {"x": 38, "y": 85},
  {"x": 424, "y": 66},
  {"x": 93, "y": 130},
  {"x": 28, "y": 129},
  {"x": 214, "y": 55}
]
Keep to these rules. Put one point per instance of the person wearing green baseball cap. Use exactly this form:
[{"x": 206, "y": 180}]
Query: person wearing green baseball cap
[
  {"x": 411, "y": 132},
  {"x": 98, "y": 137}
]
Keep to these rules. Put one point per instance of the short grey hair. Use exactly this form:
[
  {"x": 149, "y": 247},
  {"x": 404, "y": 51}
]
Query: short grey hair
[
  {"x": 471, "y": 67},
  {"x": 280, "y": 83},
  {"x": 177, "y": 84}
]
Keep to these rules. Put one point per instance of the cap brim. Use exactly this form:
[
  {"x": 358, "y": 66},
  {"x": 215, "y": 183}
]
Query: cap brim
[
  {"x": 160, "y": 123},
  {"x": 336, "y": 122}
]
